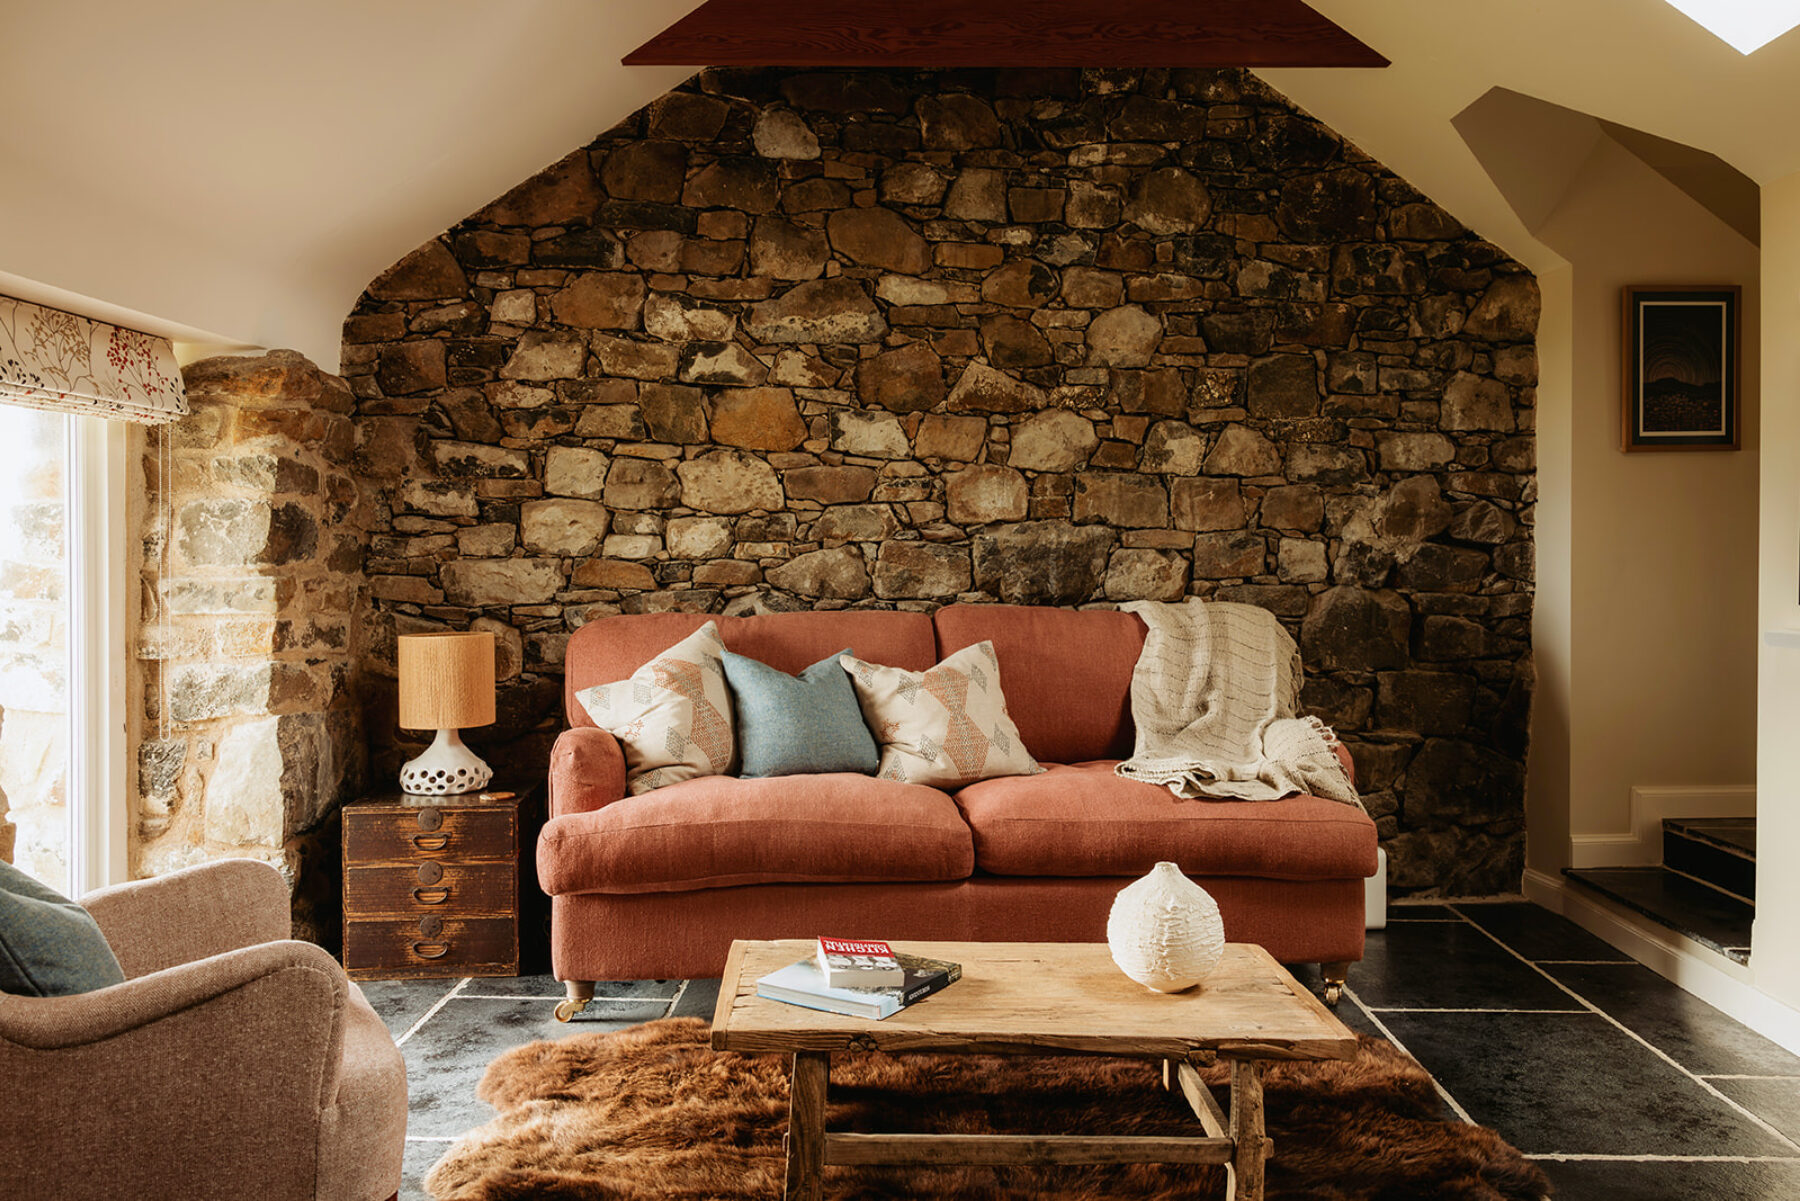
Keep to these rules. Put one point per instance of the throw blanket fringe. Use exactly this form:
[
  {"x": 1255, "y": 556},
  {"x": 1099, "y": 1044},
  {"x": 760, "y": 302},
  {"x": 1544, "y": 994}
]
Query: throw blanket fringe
[{"x": 1214, "y": 697}]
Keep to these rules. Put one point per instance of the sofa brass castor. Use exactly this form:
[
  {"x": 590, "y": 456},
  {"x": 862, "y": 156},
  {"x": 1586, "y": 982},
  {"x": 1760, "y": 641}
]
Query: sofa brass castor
[
  {"x": 579, "y": 993},
  {"x": 1333, "y": 994}
]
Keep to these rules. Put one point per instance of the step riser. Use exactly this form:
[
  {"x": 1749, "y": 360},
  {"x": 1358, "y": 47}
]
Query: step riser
[{"x": 1705, "y": 861}]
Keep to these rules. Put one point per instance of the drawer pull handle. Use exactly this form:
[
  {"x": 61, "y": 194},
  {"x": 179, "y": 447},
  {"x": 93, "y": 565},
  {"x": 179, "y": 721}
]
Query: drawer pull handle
[
  {"x": 430, "y": 950},
  {"x": 431, "y": 896},
  {"x": 431, "y": 842}
]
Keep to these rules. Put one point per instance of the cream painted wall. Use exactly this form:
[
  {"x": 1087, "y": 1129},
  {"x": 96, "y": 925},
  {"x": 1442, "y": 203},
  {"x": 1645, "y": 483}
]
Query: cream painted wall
[
  {"x": 1775, "y": 942},
  {"x": 1552, "y": 618},
  {"x": 1663, "y": 546}
]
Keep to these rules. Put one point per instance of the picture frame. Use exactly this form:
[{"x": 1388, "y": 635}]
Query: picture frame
[{"x": 1682, "y": 353}]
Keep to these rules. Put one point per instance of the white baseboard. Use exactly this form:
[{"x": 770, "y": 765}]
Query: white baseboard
[
  {"x": 1641, "y": 846},
  {"x": 1722, "y": 983}
]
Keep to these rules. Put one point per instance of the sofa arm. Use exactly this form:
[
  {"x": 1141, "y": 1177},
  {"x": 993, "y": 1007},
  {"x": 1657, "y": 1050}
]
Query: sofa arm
[
  {"x": 191, "y": 914},
  {"x": 222, "y": 1066},
  {"x": 587, "y": 771}
]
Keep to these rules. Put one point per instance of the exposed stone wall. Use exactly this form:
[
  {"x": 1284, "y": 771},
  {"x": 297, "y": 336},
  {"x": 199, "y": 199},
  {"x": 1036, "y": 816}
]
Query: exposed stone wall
[
  {"x": 248, "y": 643},
  {"x": 791, "y": 340}
]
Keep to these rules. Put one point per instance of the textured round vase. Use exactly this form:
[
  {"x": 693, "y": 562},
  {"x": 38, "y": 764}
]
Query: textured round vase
[{"x": 1165, "y": 931}]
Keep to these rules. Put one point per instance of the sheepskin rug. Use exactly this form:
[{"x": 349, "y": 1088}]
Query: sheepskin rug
[{"x": 653, "y": 1112}]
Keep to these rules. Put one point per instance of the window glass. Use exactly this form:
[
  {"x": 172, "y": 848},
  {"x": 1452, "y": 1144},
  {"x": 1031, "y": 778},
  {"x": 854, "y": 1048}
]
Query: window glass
[{"x": 34, "y": 643}]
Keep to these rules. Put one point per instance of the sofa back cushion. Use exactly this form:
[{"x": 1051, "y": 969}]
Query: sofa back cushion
[
  {"x": 611, "y": 648},
  {"x": 1066, "y": 673}
]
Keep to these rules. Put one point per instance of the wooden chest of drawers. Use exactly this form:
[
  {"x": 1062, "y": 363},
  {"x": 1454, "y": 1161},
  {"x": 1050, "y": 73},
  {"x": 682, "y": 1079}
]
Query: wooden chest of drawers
[{"x": 438, "y": 886}]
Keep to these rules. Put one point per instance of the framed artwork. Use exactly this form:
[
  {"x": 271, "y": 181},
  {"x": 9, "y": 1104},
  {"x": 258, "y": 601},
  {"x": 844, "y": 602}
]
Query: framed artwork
[{"x": 1681, "y": 368}]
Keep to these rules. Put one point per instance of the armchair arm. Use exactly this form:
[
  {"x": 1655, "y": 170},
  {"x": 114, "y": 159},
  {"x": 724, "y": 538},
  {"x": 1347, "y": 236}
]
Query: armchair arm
[
  {"x": 191, "y": 914},
  {"x": 587, "y": 771},
  {"x": 227, "y": 1062}
]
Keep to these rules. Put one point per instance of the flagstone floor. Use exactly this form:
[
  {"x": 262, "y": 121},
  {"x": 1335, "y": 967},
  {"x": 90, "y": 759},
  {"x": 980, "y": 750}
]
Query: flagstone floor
[{"x": 1621, "y": 1085}]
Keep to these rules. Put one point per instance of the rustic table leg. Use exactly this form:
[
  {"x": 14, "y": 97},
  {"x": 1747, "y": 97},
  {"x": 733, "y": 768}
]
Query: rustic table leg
[
  {"x": 806, "y": 1126},
  {"x": 1247, "y": 1130}
]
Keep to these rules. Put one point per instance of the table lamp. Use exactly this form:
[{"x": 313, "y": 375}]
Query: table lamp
[{"x": 446, "y": 684}]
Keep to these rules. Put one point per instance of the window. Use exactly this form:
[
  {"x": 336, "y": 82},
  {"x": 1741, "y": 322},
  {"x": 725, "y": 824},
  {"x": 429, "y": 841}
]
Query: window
[
  {"x": 62, "y": 646},
  {"x": 1744, "y": 25}
]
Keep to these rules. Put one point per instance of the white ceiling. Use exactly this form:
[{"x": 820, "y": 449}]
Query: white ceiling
[
  {"x": 234, "y": 173},
  {"x": 243, "y": 169}
]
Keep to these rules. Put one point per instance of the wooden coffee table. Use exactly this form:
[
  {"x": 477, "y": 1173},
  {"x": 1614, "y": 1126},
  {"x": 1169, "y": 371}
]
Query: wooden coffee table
[{"x": 1042, "y": 999}]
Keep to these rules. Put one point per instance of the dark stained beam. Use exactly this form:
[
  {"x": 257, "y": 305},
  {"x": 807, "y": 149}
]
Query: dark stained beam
[{"x": 1004, "y": 33}]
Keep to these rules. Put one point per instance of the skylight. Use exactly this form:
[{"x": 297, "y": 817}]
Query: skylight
[{"x": 1744, "y": 25}]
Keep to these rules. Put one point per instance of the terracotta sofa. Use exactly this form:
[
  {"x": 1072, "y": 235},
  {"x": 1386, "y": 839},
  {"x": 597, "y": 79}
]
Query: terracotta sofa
[{"x": 657, "y": 886}]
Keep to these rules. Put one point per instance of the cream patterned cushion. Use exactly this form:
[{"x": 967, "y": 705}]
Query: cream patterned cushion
[
  {"x": 944, "y": 727},
  {"x": 672, "y": 717}
]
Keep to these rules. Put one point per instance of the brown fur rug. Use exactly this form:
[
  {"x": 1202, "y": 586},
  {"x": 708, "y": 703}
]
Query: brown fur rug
[{"x": 653, "y": 1112}]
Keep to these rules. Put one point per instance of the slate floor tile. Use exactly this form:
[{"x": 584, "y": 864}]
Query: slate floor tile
[
  {"x": 420, "y": 1155},
  {"x": 550, "y": 986},
  {"x": 1676, "y": 1022},
  {"x": 1574, "y": 1083},
  {"x": 1357, "y": 1018},
  {"x": 1447, "y": 965},
  {"x": 403, "y": 1002},
  {"x": 446, "y": 1058},
  {"x": 697, "y": 1000},
  {"x": 1538, "y": 934},
  {"x": 1776, "y": 1102},
  {"x": 1420, "y": 913},
  {"x": 1615, "y": 1180}
]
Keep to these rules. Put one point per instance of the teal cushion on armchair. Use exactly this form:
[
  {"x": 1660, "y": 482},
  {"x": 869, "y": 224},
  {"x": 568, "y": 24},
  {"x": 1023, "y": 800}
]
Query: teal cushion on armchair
[
  {"x": 798, "y": 725},
  {"x": 49, "y": 946}
]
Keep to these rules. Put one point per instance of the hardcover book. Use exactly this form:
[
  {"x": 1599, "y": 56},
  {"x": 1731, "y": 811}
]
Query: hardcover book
[
  {"x": 803, "y": 983},
  {"x": 857, "y": 963}
]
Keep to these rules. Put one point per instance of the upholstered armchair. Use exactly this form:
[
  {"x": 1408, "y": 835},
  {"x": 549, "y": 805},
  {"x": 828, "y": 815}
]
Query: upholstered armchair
[{"x": 232, "y": 1062}]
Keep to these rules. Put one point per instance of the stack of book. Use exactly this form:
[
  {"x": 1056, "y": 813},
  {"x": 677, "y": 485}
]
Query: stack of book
[{"x": 858, "y": 978}]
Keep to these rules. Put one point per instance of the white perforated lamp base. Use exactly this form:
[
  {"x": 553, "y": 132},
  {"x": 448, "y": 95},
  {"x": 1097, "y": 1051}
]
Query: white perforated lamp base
[{"x": 447, "y": 767}]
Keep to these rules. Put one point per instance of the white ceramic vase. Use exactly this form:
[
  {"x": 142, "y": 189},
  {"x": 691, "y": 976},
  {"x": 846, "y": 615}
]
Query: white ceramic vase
[{"x": 1165, "y": 931}]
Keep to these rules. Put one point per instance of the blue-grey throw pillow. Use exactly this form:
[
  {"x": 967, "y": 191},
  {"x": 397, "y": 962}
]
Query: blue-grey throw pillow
[
  {"x": 795, "y": 725},
  {"x": 49, "y": 946}
]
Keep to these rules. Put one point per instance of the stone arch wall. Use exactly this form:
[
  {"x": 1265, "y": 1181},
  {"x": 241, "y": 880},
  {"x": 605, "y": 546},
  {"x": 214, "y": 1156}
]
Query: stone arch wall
[{"x": 824, "y": 339}]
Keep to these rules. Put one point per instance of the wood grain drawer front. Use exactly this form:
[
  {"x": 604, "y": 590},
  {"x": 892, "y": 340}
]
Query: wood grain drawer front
[
  {"x": 462, "y": 889},
  {"x": 402, "y": 835},
  {"x": 429, "y": 945}
]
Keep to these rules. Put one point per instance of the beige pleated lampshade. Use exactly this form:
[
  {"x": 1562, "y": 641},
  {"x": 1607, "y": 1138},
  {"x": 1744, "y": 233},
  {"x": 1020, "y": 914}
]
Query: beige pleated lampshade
[{"x": 446, "y": 680}]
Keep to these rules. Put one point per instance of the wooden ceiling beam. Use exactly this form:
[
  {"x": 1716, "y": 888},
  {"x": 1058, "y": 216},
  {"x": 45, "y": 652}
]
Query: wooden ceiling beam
[{"x": 1004, "y": 33}]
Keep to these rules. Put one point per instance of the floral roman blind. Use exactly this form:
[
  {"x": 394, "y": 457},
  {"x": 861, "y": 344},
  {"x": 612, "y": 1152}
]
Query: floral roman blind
[{"x": 50, "y": 359}]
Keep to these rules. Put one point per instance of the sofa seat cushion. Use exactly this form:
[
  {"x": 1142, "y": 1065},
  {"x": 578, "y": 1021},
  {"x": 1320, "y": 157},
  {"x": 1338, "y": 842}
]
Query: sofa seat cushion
[
  {"x": 719, "y": 831},
  {"x": 1082, "y": 820}
]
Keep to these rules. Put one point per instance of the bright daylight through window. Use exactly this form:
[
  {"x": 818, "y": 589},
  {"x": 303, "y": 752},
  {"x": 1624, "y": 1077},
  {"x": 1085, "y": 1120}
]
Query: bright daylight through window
[
  {"x": 35, "y": 622},
  {"x": 1745, "y": 25}
]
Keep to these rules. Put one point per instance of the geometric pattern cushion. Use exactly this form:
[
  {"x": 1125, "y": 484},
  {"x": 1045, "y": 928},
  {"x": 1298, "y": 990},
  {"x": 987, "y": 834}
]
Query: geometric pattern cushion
[
  {"x": 672, "y": 716},
  {"x": 944, "y": 727}
]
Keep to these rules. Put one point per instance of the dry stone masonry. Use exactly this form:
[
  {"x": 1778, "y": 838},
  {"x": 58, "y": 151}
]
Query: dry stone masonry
[
  {"x": 896, "y": 339},
  {"x": 251, "y": 733}
]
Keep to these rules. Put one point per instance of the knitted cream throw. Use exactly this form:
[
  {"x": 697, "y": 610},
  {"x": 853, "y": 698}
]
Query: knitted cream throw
[{"x": 1214, "y": 697}]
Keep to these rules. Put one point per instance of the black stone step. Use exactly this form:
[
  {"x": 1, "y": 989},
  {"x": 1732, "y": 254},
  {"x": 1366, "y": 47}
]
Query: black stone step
[
  {"x": 1719, "y": 850},
  {"x": 1689, "y": 908}
]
